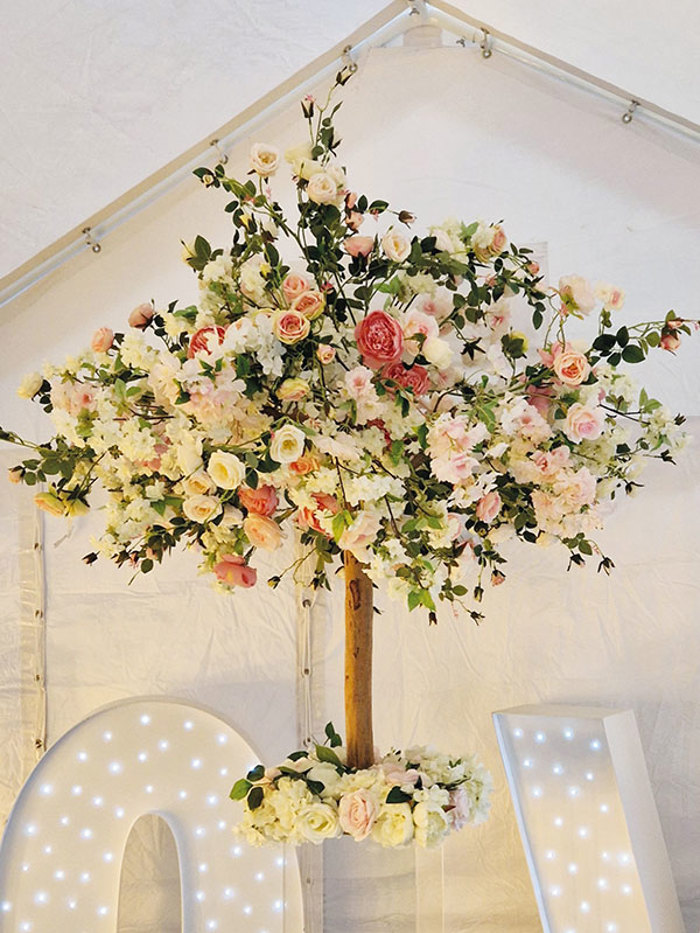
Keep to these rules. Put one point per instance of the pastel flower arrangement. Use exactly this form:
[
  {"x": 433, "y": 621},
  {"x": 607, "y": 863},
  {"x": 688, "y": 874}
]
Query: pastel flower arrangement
[
  {"x": 376, "y": 390},
  {"x": 414, "y": 798}
]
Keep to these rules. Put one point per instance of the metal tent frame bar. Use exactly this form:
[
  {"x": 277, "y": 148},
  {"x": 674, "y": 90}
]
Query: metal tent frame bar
[{"x": 393, "y": 20}]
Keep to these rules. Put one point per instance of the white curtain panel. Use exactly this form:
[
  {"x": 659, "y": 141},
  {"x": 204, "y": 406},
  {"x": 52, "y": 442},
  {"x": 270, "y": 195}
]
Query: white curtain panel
[{"x": 441, "y": 132}]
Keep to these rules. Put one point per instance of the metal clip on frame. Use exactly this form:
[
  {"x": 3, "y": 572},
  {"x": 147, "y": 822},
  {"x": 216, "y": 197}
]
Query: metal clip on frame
[
  {"x": 348, "y": 60},
  {"x": 223, "y": 158},
  {"x": 628, "y": 115},
  {"x": 486, "y": 44},
  {"x": 91, "y": 241}
]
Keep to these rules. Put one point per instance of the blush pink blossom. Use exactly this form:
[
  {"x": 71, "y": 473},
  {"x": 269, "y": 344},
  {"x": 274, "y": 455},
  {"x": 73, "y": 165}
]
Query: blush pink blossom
[
  {"x": 294, "y": 285},
  {"x": 488, "y": 507},
  {"x": 357, "y": 813},
  {"x": 459, "y": 809},
  {"x": 670, "y": 341},
  {"x": 583, "y": 423},
  {"x": 359, "y": 245},
  {"x": 358, "y": 382},
  {"x": 325, "y": 353},
  {"x": 454, "y": 468},
  {"x": 102, "y": 340},
  {"x": 140, "y": 316},
  {"x": 233, "y": 570}
]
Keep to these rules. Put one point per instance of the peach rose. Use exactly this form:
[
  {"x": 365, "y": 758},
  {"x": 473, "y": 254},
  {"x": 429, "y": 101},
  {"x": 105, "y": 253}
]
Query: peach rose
[
  {"x": 325, "y": 353},
  {"x": 205, "y": 340},
  {"x": 359, "y": 245},
  {"x": 488, "y": 507},
  {"x": 305, "y": 465},
  {"x": 583, "y": 423},
  {"x": 309, "y": 518},
  {"x": 140, "y": 317},
  {"x": 262, "y": 532},
  {"x": 234, "y": 571},
  {"x": 261, "y": 501},
  {"x": 310, "y": 304},
  {"x": 358, "y": 813},
  {"x": 571, "y": 367},
  {"x": 379, "y": 339},
  {"x": 291, "y": 327},
  {"x": 360, "y": 535},
  {"x": 102, "y": 340},
  {"x": 294, "y": 285}
]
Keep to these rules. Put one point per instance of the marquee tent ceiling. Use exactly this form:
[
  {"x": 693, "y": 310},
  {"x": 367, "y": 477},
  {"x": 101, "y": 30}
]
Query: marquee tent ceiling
[{"x": 98, "y": 96}]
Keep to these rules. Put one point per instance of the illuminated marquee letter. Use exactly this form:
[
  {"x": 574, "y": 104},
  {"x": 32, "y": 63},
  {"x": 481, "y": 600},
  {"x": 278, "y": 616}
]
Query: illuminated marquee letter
[
  {"x": 61, "y": 855},
  {"x": 588, "y": 821}
]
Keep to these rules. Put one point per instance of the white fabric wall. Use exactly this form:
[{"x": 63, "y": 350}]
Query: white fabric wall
[{"x": 441, "y": 132}]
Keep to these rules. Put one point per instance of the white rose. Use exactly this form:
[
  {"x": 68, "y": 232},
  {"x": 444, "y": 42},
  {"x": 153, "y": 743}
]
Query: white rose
[
  {"x": 301, "y": 160},
  {"x": 264, "y": 159},
  {"x": 197, "y": 484},
  {"x": 432, "y": 824},
  {"x": 287, "y": 444},
  {"x": 326, "y": 773},
  {"x": 437, "y": 351},
  {"x": 232, "y": 518},
  {"x": 201, "y": 508},
  {"x": 30, "y": 385},
  {"x": 317, "y": 822},
  {"x": 189, "y": 454},
  {"x": 394, "y": 825},
  {"x": 322, "y": 188},
  {"x": 395, "y": 246},
  {"x": 226, "y": 470}
]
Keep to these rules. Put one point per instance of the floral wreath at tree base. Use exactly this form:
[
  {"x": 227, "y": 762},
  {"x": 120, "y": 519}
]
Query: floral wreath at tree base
[{"x": 417, "y": 797}]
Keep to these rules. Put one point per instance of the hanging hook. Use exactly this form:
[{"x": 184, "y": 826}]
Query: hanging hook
[
  {"x": 416, "y": 7},
  {"x": 90, "y": 240},
  {"x": 628, "y": 115},
  {"x": 223, "y": 158},
  {"x": 348, "y": 60},
  {"x": 486, "y": 44}
]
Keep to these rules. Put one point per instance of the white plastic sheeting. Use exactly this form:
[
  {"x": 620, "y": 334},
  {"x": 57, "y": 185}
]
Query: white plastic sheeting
[{"x": 440, "y": 132}]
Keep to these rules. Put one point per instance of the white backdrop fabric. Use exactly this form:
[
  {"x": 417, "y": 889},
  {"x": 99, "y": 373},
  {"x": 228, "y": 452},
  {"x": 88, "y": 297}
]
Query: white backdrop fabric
[{"x": 440, "y": 132}]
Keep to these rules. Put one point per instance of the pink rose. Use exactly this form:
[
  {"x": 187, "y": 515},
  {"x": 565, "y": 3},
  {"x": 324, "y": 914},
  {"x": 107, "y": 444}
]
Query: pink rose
[
  {"x": 309, "y": 518},
  {"x": 234, "y": 571},
  {"x": 261, "y": 501},
  {"x": 262, "y": 531},
  {"x": 459, "y": 808},
  {"x": 204, "y": 340},
  {"x": 294, "y": 285},
  {"x": 583, "y": 423},
  {"x": 325, "y": 353},
  {"x": 499, "y": 241},
  {"x": 394, "y": 773},
  {"x": 359, "y": 245},
  {"x": 379, "y": 339},
  {"x": 488, "y": 507},
  {"x": 140, "y": 316},
  {"x": 416, "y": 378},
  {"x": 358, "y": 382},
  {"x": 310, "y": 304},
  {"x": 354, "y": 219},
  {"x": 571, "y": 367},
  {"x": 670, "y": 341},
  {"x": 357, "y": 813},
  {"x": 540, "y": 397},
  {"x": 291, "y": 327},
  {"x": 102, "y": 340}
]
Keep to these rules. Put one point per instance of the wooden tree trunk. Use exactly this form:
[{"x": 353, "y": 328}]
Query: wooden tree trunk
[{"x": 358, "y": 664}]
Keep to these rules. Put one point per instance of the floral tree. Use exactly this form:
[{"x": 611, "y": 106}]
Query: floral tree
[{"x": 373, "y": 388}]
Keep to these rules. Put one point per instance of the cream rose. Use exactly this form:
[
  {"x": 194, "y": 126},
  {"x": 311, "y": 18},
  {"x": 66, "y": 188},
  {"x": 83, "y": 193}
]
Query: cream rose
[
  {"x": 262, "y": 532},
  {"x": 264, "y": 159},
  {"x": 583, "y": 423},
  {"x": 293, "y": 390},
  {"x": 48, "y": 502},
  {"x": 201, "y": 508},
  {"x": 301, "y": 160},
  {"x": 287, "y": 444},
  {"x": 394, "y": 825},
  {"x": 189, "y": 454},
  {"x": 438, "y": 352},
  {"x": 30, "y": 385},
  {"x": 432, "y": 824},
  {"x": 318, "y": 821},
  {"x": 396, "y": 247},
  {"x": 291, "y": 327},
  {"x": 322, "y": 188},
  {"x": 226, "y": 470},
  {"x": 197, "y": 484}
]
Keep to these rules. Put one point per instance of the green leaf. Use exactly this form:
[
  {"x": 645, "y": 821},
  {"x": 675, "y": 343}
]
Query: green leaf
[
  {"x": 396, "y": 795},
  {"x": 240, "y": 789},
  {"x": 256, "y": 773},
  {"x": 332, "y": 735},
  {"x": 632, "y": 354},
  {"x": 255, "y": 798},
  {"x": 323, "y": 753},
  {"x": 146, "y": 565}
]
